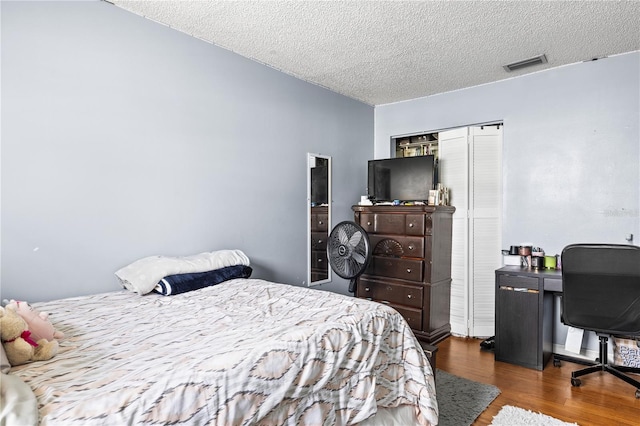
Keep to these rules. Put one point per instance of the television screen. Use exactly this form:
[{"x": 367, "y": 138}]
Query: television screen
[{"x": 403, "y": 179}]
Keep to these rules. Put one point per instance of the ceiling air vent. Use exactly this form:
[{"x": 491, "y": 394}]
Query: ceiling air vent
[{"x": 536, "y": 60}]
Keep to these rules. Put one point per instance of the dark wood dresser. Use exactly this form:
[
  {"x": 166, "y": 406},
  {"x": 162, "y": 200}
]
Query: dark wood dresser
[
  {"x": 411, "y": 265},
  {"x": 319, "y": 234}
]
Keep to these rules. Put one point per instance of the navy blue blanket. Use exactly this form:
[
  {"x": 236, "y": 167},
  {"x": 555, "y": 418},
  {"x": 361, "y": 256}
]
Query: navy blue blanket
[{"x": 181, "y": 283}]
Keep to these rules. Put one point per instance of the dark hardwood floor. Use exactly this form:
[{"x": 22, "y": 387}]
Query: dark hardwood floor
[{"x": 601, "y": 400}]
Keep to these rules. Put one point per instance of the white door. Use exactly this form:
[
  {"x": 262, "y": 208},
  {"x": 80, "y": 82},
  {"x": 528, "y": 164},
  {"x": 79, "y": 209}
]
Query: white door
[
  {"x": 484, "y": 226},
  {"x": 471, "y": 167},
  {"x": 453, "y": 169}
]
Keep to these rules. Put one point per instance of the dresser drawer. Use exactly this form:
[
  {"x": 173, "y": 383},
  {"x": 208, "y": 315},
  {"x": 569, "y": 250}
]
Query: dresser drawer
[
  {"x": 319, "y": 260},
  {"x": 383, "y": 223},
  {"x": 415, "y": 224},
  {"x": 319, "y": 222},
  {"x": 319, "y": 275},
  {"x": 368, "y": 222},
  {"x": 406, "y": 269},
  {"x": 390, "y": 223},
  {"x": 401, "y": 294},
  {"x": 318, "y": 241},
  {"x": 413, "y": 316},
  {"x": 517, "y": 281},
  {"x": 395, "y": 245}
]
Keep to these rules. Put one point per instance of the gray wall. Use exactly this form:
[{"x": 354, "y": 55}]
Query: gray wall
[
  {"x": 123, "y": 138},
  {"x": 571, "y": 149}
]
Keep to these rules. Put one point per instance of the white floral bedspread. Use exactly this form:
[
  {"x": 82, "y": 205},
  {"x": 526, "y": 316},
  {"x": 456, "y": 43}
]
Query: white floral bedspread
[{"x": 243, "y": 352}]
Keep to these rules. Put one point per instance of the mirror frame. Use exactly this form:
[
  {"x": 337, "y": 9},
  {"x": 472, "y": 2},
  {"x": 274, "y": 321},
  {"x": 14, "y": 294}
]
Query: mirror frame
[{"x": 311, "y": 163}]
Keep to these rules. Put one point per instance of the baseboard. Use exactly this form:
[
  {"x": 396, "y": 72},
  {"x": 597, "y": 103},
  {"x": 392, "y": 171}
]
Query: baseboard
[{"x": 586, "y": 354}]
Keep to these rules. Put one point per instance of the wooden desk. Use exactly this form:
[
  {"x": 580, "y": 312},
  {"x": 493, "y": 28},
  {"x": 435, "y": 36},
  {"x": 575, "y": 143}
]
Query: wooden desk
[{"x": 524, "y": 315}]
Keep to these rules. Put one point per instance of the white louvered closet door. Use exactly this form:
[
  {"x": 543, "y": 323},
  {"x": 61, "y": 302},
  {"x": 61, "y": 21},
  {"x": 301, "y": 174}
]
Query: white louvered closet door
[
  {"x": 453, "y": 173},
  {"x": 484, "y": 225},
  {"x": 471, "y": 166}
]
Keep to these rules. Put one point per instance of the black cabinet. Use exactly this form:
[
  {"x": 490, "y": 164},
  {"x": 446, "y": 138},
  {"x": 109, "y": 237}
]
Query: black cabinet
[{"x": 524, "y": 317}]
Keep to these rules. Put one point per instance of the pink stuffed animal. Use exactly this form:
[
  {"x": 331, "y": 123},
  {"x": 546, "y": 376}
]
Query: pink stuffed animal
[{"x": 37, "y": 322}]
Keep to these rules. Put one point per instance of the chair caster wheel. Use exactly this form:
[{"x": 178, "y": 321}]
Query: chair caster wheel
[
  {"x": 556, "y": 362},
  {"x": 575, "y": 382}
]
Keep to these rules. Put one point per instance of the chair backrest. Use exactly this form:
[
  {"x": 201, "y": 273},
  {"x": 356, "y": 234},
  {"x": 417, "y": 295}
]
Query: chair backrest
[{"x": 601, "y": 288}]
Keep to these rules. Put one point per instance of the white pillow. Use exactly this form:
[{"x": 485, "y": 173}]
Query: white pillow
[
  {"x": 5, "y": 366},
  {"x": 18, "y": 403},
  {"x": 143, "y": 275}
]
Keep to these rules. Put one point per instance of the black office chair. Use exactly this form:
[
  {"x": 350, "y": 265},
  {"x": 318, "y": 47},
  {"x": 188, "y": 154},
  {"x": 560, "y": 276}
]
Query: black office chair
[{"x": 601, "y": 293}]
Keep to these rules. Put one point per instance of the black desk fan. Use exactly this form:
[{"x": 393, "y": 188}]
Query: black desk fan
[{"x": 349, "y": 251}]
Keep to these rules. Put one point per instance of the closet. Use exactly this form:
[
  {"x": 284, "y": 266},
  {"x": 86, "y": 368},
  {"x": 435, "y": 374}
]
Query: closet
[{"x": 470, "y": 165}]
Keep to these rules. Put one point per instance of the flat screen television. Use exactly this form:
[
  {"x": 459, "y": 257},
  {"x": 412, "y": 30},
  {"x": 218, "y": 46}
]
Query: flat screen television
[{"x": 404, "y": 179}]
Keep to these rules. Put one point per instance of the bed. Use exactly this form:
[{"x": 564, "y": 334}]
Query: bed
[{"x": 243, "y": 351}]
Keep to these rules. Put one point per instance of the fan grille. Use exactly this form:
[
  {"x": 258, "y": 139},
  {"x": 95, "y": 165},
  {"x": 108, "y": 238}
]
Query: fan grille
[{"x": 348, "y": 250}]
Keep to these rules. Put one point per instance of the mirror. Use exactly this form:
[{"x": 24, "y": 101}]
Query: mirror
[{"x": 318, "y": 217}]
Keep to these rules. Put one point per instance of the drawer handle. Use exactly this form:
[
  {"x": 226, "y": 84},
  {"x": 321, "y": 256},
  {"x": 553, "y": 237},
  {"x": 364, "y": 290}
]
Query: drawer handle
[
  {"x": 408, "y": 296},
  {"x": 411, "y": 247},
  {"x": 368, "y": 223},
  {"x": 367, "y": 289},
  {"x": 408, "y": 270},
  {"x": 384, "y": 301},
  {"x": 319, "y": 260},
  {"x": 411, "y": 225},
  {"x": 319, "y": 241},
  {"x": 320, "y": 222}
]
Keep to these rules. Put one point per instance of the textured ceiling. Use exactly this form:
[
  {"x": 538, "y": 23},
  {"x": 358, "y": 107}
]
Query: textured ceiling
[{"x": 380, "y": 52}]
